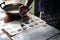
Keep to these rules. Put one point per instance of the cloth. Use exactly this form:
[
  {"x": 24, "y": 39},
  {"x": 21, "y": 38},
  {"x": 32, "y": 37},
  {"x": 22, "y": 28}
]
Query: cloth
[
  {"x": 40, "y": 5},
  {"x": 44, "y": 5}
]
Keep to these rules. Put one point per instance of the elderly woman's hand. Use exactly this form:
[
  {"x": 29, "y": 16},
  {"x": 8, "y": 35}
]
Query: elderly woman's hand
[{"x": 23, "y": 10}]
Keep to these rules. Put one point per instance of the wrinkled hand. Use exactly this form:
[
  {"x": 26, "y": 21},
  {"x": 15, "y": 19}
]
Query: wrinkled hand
[{"x": 23, "y": 10}]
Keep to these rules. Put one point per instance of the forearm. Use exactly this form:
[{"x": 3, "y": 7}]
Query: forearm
[{"x": 28, "y": 2}]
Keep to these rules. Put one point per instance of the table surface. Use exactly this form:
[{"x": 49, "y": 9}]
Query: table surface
[{"x": 42, "y": 31}]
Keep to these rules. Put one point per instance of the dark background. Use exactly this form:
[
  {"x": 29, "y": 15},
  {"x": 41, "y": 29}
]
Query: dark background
[{"x": 52, "y": 12}]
